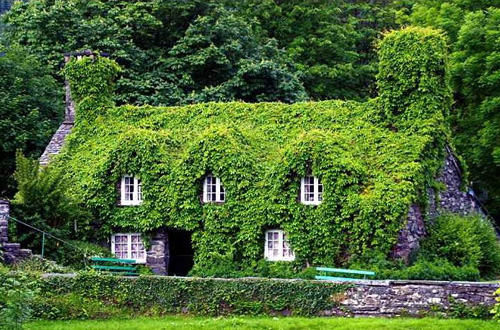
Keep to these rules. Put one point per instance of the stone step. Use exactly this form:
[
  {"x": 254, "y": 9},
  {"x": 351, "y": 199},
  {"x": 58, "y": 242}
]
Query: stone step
[
  {"x": 24, "y": 254},
  {"x": 9, "y": 247}
]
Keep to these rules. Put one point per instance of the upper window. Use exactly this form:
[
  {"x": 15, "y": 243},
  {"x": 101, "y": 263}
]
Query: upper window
[
  {"x": 213, "y": 191},
  {"x": 277, "y": 247},
  {"x": 128, "y": 246},
  {"x": 311, "y": 190},
  {"x": 131, "y": 190}
]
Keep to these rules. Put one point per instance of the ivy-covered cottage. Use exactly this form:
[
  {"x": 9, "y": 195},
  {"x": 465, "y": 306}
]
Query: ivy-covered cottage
[{"x": 313, "y": 183}]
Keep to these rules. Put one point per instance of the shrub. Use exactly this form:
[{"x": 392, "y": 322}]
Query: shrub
[
  {"x": 439, "y": 270},
  {"x": 463, "y": 241},
  {"x": 496, "y": 310},
  {"x": 78, "y": 254},
  {"x": 37, "y": 264},
  {"x": 43, "y": 201},
  {"x": 224, "y": 267},
  {"x": 16, "y": 293}
]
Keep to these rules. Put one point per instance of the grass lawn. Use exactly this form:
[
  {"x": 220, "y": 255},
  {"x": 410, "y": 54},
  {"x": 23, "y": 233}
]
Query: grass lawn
[{"x": 180, "y": 322}]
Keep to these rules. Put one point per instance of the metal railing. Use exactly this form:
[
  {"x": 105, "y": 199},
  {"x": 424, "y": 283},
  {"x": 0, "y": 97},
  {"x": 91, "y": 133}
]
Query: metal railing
[{"x": 48, "y": 235}]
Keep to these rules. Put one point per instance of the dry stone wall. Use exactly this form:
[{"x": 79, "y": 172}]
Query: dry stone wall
[{"x": 412, "y": 298}]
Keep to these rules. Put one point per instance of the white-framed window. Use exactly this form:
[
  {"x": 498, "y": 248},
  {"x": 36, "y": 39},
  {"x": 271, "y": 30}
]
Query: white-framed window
[
  {"x": 311, "y": 190},
  {"x": 131, "y": 190},
  {"x": 213, "y": 191},
  {"x": 277, "y": 247},
  {"x": 128, "y": 246}
]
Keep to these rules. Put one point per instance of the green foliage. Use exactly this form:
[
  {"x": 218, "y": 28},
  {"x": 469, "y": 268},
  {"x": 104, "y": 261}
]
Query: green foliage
[
  {"x": 371, "y": 173},
  {"x": 16, "y": 295},
  {"x": 172, "y": 52},
  {"x": 78, "y": 254},
  {"x": 413, "y": 89},
  {"x": 476, "y": 78},
  {"x": 331, "y": 42},
  {"x": 72, "y": 306},
  {"x": 437, "y": 270},
  {"x": 218, "y": 50},
  {"x": 496, "y": 309},
  {"x": 225, "y": 267},
  {"x": 464, "y": 241},
  {"x": 473, "y": 29},
  {"x": 37, "y": 265},
  {"x": 162, "y": 295},
  {"x": 44, "y": 202},
  {"x": 29, "y": 109},
  {"x": 220, "y": 58},
  {"x": 458, "y": 310},
  {"x": 457, "y": 248}
]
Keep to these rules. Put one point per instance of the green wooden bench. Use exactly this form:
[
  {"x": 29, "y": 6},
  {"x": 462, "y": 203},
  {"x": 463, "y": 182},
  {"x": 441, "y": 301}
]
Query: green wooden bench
[
  {"x": 115, "y": 266},
  {"x": 365, "y": 273}
]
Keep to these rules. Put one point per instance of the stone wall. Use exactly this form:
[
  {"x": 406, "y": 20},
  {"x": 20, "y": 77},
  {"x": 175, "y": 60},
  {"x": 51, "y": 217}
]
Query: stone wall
[
  {"x": 4, "y": 221},
  {"x": 453, "y": 199},
  {"x": 412, "y": 298},
  {"x": 410, "y": 236},
  {"x": 12, "y": 252},
  {"x": 56, "y": 143},
  {"x": 158, "y": 256}
]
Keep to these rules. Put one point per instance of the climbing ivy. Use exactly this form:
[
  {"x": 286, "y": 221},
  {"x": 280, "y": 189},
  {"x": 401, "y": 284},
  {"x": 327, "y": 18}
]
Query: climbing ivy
[{"x": 373, "y": 158}]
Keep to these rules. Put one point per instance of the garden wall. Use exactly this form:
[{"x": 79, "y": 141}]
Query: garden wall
[
  {"x": 178, "y": 295},
  {"x": 414, "y": 298}
]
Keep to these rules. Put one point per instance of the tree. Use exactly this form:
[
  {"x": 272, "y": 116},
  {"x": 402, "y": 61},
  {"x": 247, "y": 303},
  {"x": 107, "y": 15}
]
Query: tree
[
  {"x": 148, "y": 39},
  {"x": 476, "y": 77},
  {"x": 43, "y": 200},
  {"x": 30, "y": 109},
  {"x": 473, "y": 30},
  {"x": 220, "y": 58},
  {"x": 330, "y": 41}
]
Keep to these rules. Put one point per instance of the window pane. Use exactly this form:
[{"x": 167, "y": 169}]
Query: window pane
[
  {"x": 139, "y": 190},
  {"x": 320, "y": 191}
]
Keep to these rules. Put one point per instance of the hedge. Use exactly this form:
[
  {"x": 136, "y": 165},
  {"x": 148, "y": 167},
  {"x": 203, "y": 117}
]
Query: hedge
[{"x": 93, "y": 295}]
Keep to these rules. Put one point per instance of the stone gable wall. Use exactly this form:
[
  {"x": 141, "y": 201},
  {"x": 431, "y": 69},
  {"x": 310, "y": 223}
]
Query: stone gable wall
[{"x": 453, "y": 199}]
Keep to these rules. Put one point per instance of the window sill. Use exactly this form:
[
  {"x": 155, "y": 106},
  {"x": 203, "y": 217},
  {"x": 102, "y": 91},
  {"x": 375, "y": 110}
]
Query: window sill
[
  {"x": 311, "y": 203},
  {"x": 128, "y": 203},
  {"x": 280, "y": 259}
]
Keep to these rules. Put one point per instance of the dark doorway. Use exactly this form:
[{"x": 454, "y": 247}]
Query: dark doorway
[{"x": 181, "y": 252}]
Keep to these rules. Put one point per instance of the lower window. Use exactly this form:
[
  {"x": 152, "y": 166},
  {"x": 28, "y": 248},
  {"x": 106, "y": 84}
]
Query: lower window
[
  {"x": 128, "y": 246},
  {"x": 277, "y": 247}
]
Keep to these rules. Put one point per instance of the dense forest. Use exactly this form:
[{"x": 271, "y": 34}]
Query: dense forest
[{"x": 190, "y": 51}]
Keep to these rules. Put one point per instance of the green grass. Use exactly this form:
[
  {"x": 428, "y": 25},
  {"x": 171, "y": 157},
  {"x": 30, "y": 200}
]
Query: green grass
[{"x": 179, "y": 322}]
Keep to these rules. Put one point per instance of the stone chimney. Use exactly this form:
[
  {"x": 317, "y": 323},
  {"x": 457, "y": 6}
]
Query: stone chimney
[
  {"x": 56, "y": 143},
  {"x": 69, "y": 113}
]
